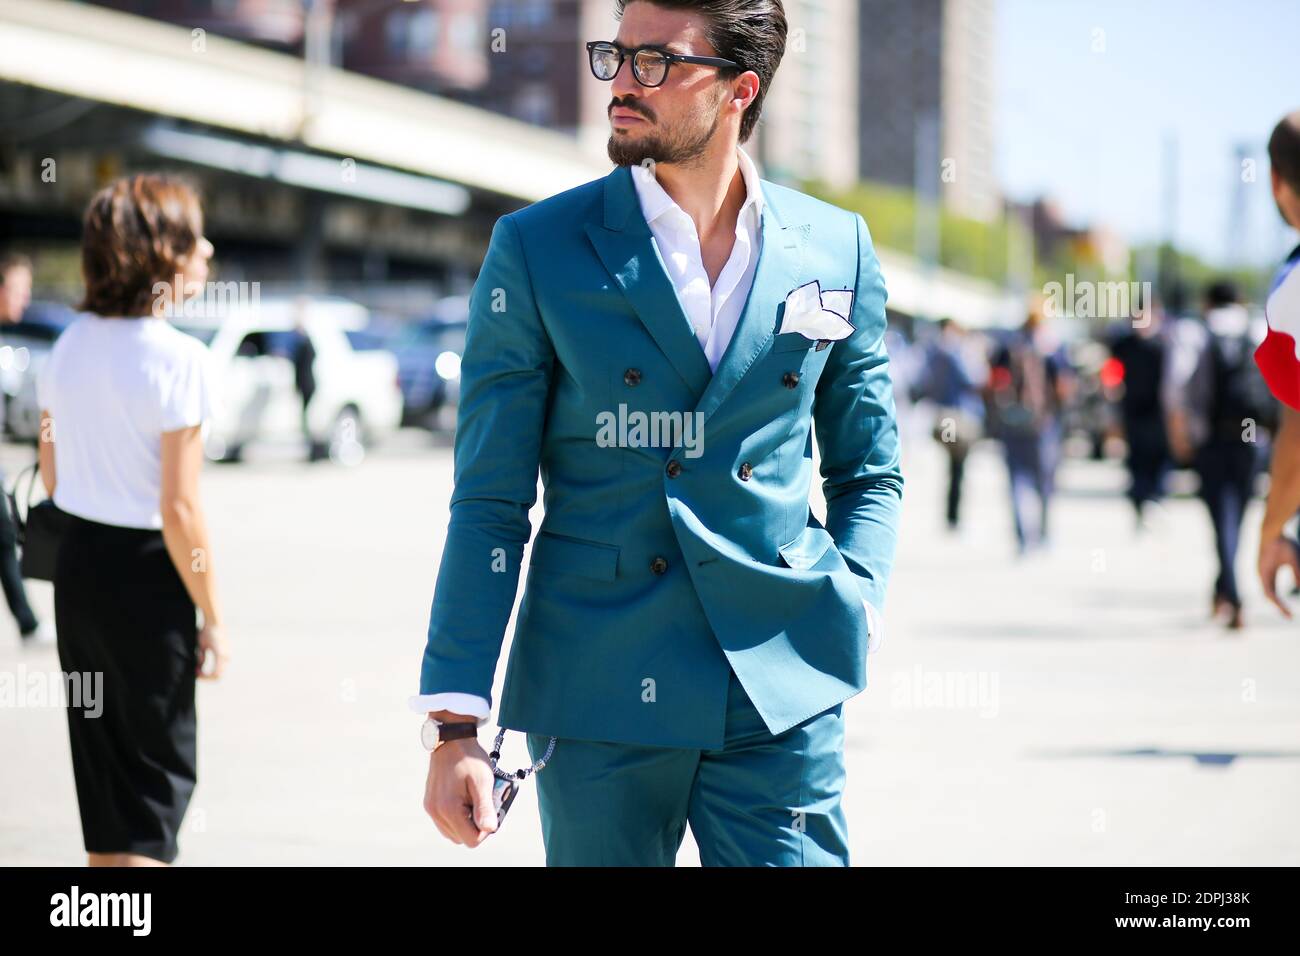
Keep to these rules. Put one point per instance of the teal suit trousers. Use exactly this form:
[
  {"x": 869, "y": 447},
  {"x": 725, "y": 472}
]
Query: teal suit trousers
[{"x": 758, "y": 800}]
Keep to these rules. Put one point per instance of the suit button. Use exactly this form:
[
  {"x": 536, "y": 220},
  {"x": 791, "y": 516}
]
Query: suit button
[
  {"x": 632, "y": 377},
  {"x": 790, "y": 379},
  {"x": 674, "y": 468},
  {"x": 745, "y": 471},
  {"x": 658, "y": 565}
]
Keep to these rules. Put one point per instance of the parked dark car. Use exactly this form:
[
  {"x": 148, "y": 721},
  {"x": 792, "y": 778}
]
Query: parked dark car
[{"x": 428, "y": 365}]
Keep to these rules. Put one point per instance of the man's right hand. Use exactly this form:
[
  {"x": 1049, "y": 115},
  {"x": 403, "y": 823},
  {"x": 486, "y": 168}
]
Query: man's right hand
[
  {"x": 458, "y": 792},
  {"x": 1275, "y": 553}
]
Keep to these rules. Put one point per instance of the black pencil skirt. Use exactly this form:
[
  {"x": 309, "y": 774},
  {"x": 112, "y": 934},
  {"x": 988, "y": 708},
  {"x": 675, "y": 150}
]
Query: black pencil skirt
[{"x": 122, "y": 611}]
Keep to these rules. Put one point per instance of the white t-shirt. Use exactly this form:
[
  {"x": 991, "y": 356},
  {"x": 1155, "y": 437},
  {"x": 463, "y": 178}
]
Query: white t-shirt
[{"x": 113, "y": 386}]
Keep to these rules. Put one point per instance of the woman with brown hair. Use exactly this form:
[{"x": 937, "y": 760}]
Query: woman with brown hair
[{"x": 123, "y": 396}]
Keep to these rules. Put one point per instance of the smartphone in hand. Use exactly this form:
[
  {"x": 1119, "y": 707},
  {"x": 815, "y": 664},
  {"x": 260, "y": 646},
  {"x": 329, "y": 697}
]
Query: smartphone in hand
[{"x": 503, "y": 794}]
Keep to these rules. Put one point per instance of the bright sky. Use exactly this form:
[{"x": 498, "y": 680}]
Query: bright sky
[{"x": 1088, "y": 128}]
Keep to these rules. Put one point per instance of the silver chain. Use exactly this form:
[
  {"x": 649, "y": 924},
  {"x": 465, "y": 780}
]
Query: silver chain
[{"x": 522, "y": 772}]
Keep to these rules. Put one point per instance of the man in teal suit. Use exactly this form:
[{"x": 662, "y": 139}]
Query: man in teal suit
[{"x": 661, "y": 344}]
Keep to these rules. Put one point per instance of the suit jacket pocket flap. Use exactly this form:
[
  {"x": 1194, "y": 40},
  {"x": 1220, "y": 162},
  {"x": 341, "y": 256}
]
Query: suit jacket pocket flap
[
  {"x": 807, "y": 549},
  {"x": 588, "y": 559},
  {"x": 789, "y": 341}
]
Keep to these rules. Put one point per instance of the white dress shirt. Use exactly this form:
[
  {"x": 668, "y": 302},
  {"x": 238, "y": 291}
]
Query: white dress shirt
[{"x": 713, "y": 311}]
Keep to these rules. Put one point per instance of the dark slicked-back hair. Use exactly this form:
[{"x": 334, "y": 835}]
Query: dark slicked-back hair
[
  {"x": 1284, "y": 149},
  {"x": 751, "y": 32}
]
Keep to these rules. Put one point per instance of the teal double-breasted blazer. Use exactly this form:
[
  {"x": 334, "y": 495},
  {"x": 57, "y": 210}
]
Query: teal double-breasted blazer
[{"x": 657, "y": 569}]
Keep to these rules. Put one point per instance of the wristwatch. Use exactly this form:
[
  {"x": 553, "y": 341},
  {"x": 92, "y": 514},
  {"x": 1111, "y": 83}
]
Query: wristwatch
[{"x": 433, "y": 733}]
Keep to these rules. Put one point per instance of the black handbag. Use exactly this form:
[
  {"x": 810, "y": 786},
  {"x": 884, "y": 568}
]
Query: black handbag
[{"x": 40, "y": 529}]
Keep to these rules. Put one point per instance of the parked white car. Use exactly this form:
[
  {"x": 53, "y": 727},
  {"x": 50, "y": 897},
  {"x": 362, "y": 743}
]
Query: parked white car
[
  {"x": 357, "y": 401},
  {"x": 24, "y": 348}
]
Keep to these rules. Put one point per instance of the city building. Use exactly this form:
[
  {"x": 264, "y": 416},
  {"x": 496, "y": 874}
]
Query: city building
[
  {"x": 809, "y": 127},
  {"x": 925, "y": 100},
  {"x": 439, "y": 46},
  {"x": 274, "y": 23}
]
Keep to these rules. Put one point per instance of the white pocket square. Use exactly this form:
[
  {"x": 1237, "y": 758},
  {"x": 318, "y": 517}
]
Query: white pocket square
[{"x": 817, "y": 315}]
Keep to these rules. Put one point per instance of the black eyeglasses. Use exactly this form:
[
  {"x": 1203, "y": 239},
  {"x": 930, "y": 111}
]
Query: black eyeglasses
[{"x": 649, "y": 63}]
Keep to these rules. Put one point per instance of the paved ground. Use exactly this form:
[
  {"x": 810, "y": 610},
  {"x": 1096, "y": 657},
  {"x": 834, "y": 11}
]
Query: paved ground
[{"x": 1073, "y": 708}]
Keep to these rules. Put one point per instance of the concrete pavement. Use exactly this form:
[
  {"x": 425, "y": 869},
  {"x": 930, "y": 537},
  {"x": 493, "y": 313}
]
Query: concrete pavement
[{"x": 1074, "y": 707}]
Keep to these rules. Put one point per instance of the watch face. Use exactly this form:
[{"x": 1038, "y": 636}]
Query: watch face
[{"x": 429, "y": 734}]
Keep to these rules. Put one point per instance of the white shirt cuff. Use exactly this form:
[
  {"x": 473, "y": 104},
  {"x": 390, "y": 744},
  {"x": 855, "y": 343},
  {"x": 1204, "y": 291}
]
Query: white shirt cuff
[
  {"x": 875, "y": 627},
  {"x": 469, "y": 705}
]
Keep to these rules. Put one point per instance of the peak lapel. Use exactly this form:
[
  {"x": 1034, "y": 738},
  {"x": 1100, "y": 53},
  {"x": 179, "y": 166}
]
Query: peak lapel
[
  {"x": 626, "y": 247},
  {"x": 780, "y": 260}
]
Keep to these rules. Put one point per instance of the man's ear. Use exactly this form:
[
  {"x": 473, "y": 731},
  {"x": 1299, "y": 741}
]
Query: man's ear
[{"x": 745, "y": 89}]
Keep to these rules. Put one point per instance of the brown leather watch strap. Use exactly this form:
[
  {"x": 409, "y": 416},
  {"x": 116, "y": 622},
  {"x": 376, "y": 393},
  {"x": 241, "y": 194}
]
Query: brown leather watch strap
[{"x": 459, "y": 730}]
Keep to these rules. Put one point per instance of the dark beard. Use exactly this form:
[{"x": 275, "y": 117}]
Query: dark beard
[{"x": 680, "y": 148}]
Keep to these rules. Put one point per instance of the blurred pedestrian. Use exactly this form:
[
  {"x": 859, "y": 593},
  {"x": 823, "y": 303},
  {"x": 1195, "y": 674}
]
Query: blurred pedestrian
[
  {"x": 1224, "y": 413},
  {"x": 1029, "y": 384},
  {"x": 304, "y": 378},
  {"x": 1140, "y": 350},
  {"x": 15, "y": 294},
  {"x": 123, "y": 396},
  {"x": 1278, "y": 361},
  {"x": 950, "y": 378}
]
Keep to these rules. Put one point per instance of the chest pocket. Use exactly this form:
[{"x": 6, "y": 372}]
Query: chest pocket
[{"x": 791, "y": 342}]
